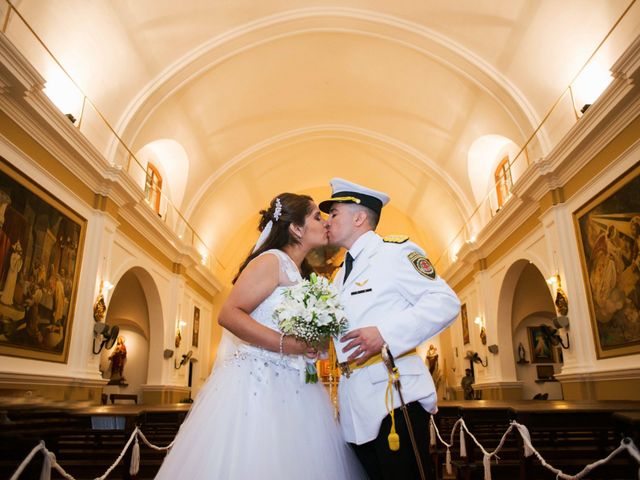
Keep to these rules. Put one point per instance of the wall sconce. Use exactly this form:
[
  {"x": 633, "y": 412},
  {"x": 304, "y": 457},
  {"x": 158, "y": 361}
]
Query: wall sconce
[
  {"x": 551, "y": 335},
  {"x": 483, "y": 332},
  {"x": 109, "y": 336},
  {"x": 168, "y": 353},
  {"x": 475, "y": 358},
  {"x": 185, "y": 358},
  {"x": 494, "y": 349}
]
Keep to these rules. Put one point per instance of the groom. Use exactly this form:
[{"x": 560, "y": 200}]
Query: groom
[{"x": 391, "y": 295}]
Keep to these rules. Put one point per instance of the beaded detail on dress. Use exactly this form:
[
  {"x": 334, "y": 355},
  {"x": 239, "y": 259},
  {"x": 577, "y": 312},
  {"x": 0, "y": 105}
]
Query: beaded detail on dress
[{"x": 263, "y": 314}]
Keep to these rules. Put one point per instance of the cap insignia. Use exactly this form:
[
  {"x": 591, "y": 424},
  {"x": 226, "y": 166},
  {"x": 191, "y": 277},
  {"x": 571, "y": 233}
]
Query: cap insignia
[
  {"x": 422, "y": 265},
  {"x": 395, "y": 238},
  {"x": 345, "y": 199}
]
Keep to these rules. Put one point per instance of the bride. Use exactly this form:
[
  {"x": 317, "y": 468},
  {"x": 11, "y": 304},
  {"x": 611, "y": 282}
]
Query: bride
[{"x": 255, "y": 417}]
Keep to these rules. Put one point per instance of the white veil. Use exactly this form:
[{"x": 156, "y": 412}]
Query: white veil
[{"x": 229, "y": 343}]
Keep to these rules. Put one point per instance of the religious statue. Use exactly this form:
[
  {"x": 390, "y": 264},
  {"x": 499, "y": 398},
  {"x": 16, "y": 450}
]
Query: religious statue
[
  {"x": 99, "y": 308},
  {"x": 432, "y": 359},
  {"x": 521, "y": 353},
  {"x": 466, "y": 384},
  {"x": 118, "y": 358}
]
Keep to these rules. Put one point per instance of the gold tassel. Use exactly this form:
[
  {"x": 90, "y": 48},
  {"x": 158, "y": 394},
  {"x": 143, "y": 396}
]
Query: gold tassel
[
  {"x": 463, "y": 444},
  {"x": 135, "y": 458},
  {"x": 393, "y": 438},
  {"x": 487, "y": 467},
  {"x": 447, "y": 461}
]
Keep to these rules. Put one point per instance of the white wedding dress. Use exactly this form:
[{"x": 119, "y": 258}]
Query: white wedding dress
[{"x": 255, "y": 418}]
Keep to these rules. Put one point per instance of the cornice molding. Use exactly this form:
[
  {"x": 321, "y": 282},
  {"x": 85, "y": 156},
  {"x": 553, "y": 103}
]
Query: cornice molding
[
  {"x": 36, "y": 379},
  {"x": 616, "y": 108},
  {"x": 603, "y": 375},
  {"x": 18, "y": 66},
  {"x": 487, "y": 385},
  {"x": 165, "y": 388},
  {"x": 141, "y": 217},
  {"x": 23, "y": 100}
]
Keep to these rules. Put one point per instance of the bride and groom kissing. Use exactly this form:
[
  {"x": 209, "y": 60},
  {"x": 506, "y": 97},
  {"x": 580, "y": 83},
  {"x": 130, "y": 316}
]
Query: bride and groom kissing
[{"x": 254, "y": 418}]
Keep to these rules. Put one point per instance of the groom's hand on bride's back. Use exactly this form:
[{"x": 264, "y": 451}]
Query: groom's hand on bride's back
[{"x": 364, "y": 342}]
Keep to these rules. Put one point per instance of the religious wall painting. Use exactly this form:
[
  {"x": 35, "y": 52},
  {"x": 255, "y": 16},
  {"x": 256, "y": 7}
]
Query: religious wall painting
[
  {"x": 540, "y": 346},
  {"x": 608, "y": 231},
  {"x": 465, "y": 324},
  {"x": 41, "y": 244},
  {"x": 196, "y": 326}
]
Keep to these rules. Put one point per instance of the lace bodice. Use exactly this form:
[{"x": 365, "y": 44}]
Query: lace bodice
[{"x": 264, "y": 312}]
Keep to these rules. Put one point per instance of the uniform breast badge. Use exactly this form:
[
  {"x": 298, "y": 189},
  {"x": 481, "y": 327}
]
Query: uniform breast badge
[{"x": 422, "y": 265}]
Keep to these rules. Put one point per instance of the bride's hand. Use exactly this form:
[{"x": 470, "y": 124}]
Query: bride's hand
[{"x": 293, "y": 346}]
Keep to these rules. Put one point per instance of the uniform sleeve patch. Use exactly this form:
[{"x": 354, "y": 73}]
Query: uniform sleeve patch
[
  {"x": 422, "y": 265},
  {"x": 395, "y": 238}
]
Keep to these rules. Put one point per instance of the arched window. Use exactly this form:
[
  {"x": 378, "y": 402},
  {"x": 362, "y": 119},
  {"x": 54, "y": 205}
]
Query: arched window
[
  {"x": 153, "y": 187},
  {"x": 504, "y": 182}
]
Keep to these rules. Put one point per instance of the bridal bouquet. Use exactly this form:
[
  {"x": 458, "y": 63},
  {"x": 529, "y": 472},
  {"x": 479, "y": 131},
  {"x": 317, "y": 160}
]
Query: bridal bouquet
[{"x": 310, "y": 311}]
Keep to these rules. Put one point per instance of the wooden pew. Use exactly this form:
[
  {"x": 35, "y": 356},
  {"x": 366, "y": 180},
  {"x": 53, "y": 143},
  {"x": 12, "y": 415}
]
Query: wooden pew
[
  {"x": 87, "y": 441},
  {"x": 569, "y": 435}
]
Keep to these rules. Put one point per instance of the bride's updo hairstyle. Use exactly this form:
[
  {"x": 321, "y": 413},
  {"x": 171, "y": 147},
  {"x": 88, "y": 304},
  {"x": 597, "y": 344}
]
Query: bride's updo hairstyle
[{"x": 284, "y": 209}]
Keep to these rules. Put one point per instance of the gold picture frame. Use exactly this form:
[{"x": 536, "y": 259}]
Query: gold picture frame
[
  {"x": 608, "y": 232},
  {"x": 540, "y": 347},
  {"x": 196, "y": 327},
  {"x": 41, "y": 245},
  {"x": 465, "y": 324}
]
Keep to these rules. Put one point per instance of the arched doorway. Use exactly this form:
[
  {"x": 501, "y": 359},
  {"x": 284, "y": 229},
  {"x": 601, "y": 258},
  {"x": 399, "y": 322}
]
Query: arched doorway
[
  {"x": 526, "y": 304},
  {"x": 135, "y": 308}
]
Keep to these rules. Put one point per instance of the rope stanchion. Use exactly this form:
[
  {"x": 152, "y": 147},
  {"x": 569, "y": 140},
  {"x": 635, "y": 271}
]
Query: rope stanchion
[
  {"x": 26, "y": 460},
  {"x": 50, "y": 461},
  {"x": 626, "y": 444},
  {"x": 154, "y": 447}
]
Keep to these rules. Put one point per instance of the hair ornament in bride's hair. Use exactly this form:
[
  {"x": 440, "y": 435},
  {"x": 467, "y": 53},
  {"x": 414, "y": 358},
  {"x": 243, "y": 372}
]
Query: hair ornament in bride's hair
[{"x": 277, "y": 211}]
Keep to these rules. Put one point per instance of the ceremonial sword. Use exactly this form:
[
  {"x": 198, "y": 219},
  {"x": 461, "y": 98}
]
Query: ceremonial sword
[{"x": 394, "y": 375}]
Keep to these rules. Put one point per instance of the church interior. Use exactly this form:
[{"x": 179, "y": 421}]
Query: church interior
[{"x": 140, "y": 139}]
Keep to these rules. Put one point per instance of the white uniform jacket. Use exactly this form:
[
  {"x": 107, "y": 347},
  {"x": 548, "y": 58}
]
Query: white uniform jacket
[{"x": 409, "y": 304}]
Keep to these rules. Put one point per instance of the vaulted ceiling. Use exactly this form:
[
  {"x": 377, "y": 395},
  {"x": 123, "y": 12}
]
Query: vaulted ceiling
[{"x": 272, "y": 95}]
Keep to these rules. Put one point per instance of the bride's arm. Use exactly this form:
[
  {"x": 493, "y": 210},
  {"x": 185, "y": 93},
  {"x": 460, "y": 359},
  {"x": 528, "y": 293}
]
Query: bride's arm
[{"x": 255, "y": 283}]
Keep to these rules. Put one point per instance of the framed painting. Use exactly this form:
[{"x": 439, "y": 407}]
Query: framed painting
[
  {"x": 608, "y": 231},
  {"x": 539, "y": 346},
  {"x": 196, "y": 326},
  {"x": 465, "y": 323},
  {"x": 41, "y": 244}
]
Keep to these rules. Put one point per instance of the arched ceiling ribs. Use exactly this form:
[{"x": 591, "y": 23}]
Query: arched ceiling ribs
[
  {"x": 346, "y": 20},
  {"x": 416, "y": 160}
]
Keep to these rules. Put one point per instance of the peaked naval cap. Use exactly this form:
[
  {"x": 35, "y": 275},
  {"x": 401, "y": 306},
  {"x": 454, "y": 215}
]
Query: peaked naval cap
[{"x": 349, "y": 192}]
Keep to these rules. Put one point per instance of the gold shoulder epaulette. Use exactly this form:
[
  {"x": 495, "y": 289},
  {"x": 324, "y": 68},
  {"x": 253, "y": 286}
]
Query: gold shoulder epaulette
[{"x": 395, "y": 238}]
